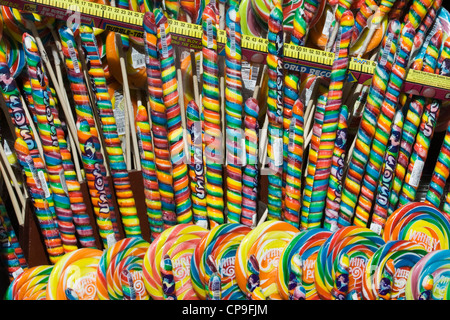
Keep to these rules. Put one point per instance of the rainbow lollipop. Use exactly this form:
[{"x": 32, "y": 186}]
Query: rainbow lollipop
[
  {"x": 214, "y": 256},
  {"x": 265, "y": 243},
  {"x": 30, "y": 284},
  {"x": 428, "y": 279},
  {"x": 305, "y": 245},
  {"x": 379, "y": 281},
  {"x": 75, "y": 273},
  {"x": 421, "y": 223},
  {"x": 125, "y": 256},
  {"x": 359, "y": 244},
  {"x": 179, "y": 243}
]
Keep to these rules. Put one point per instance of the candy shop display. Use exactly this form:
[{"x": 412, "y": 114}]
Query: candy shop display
[{"x": 225, "y": 150}]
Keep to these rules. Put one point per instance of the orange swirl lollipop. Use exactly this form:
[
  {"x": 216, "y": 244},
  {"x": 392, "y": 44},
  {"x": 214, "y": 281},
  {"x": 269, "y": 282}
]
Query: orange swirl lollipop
[
  {"x": 262, "y": 247},
  {"x": 30, "y": 285},
  {"x": 74, "y": 275}
]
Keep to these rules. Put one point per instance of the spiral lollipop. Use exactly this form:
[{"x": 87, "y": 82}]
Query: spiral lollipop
[
  {"x": 274, "y": 112},
  {"x": 337, "y": 171},
  {"x": 421, "y": 223},
  {"x": 178, "y": 242},
  {"x": 47, "y": 223},
  {"x": 182, "y": 192},
  {"x": 366, "y": 131},
  {"x": 52, "y": 155},
  {"x": 215, "y": 256},
  {"x": 312, "y": 156},
  {"x": 359, "y": 244},
  {"x": 212, "y": 121},
  {"x": 434, "y": 266},
  {"x": 151, "y": 188},
  {"x": 305, "y": 245},
  {"x": 266, "y": 243},
  {"x": 159, "y": 122},
  {"x": 380, "y": 281},
  {"x": 387, "y": 175},
  {"x": 330, "y": 123},
  {"x": 30, "y": 285},
  {"x": 233, "y": 115},
  {"x": 383, "y": 129},
  {"x": 81, "y": 98},
  {"x": 15, "y": 56},
  {"x": 121, "y": 181},
  {"x": 95, "y": 181},
  {"x": 126, "y": 254},
  {"x": 75, "y": 271},
  {"x": 196, "y": 167},
  {"x": 250, "y": 173}
]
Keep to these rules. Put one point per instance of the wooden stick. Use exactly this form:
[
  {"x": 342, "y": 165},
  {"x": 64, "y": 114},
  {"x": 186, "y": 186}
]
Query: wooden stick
[
  {"x": 11, "y": 175},
  {"x": 33, "y": 128},
  {"x": 128, "y": 104},
  {"x": 12, "y": 196},
  {"x": 183, "y": 114},
  {"x": 223, "y": 115},
  {"x": 195, "y": 80}
]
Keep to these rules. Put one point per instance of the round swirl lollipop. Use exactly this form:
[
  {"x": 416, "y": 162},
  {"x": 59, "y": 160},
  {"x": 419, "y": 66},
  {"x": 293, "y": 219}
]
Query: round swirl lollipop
[
  {"x": 388, "y": 269},
  {"x": 358, "y": 244},
  {"x": 421, "y": 223},
  {"x": 429, "y": 278},
  {"x": 124, "y": 257},
  {"x": 74, "y": 276},
  {"x": 215, "y": 256},
  {"x": 30, "y": 285},
  {"x": 302, "y": 250},
  {"x": 14, "y": 55},
  {"x": 174, "y": 247},
  {"x": 258, "y": 255}
]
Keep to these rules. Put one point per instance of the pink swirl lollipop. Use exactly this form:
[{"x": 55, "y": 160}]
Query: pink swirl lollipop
[
  {"x": 429, "y": 278},
  {"x": 178, "y": 243}
]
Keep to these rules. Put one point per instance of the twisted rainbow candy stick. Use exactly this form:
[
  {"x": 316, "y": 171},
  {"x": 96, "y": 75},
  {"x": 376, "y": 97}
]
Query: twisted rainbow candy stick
[
  {"x": 441, "y": 170},
  {"x": 211, "y": 113},
  {"x": 119, "y": 173},
  {"x": 194, "y": 9},
  {"x": 48, "y": 136},
  {"x": 330, "y": 123},
  {"x": 366, "y": 11},
  {"x": 383, "y": 130},
  {"x": 274, "y": 111},
  {"x": 196, "y": 167},
  {"x": 47, "y": 223},
  {"x": 159, "y": 122},
  {"x": 250, "y": 174},
  {"x": 233, "y": 115},
  {"x": 290, "y": 97},
  {"x": 151, "y": 188},
  {"x": 81, "y": 99},
  {"x": 380, "y": 211},
  {"x": 182, "y": 192},
  {"x": 337, "y": 171},
  {"x": 366, "y": 130},
  {"x": 412, "y": 123},
  {"x": 294, "y": 166},
  {"x": 312, "y": 156},
  {"x": 96, "y": 181},
  {"x": 426, "y": 23}
]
